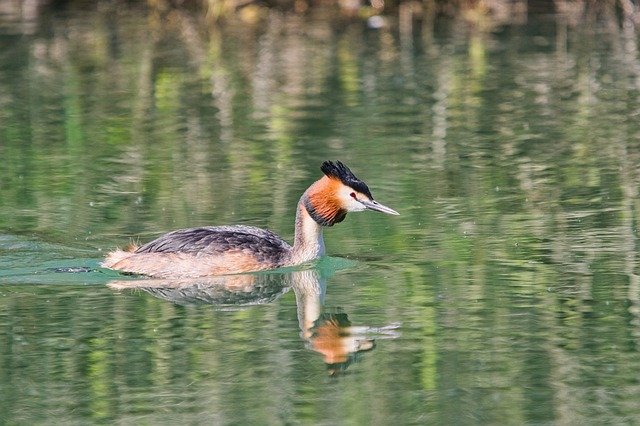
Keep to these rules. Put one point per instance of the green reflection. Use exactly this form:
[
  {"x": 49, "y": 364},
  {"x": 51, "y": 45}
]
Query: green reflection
[{"x": 509, "y": 146}]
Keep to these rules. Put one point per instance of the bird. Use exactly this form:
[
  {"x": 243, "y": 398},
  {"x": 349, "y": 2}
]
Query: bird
[{"x": 224, "y": 250}]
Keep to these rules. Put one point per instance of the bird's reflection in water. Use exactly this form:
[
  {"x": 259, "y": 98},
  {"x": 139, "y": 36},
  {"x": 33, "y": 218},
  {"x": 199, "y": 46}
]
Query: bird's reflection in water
[{"x": 330, "y": 334}]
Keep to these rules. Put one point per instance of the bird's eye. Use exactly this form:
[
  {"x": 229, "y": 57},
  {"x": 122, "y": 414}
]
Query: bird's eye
[{"x": 353, "y": 195}]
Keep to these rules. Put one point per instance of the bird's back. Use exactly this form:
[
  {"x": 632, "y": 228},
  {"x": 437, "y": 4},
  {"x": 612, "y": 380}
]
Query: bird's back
[
  {"x": 203, "y": 251},
  {"x": 219, "y": 239}
]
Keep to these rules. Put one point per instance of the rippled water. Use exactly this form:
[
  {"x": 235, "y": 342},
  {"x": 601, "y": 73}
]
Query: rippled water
[{"x": 507, "y": 291}]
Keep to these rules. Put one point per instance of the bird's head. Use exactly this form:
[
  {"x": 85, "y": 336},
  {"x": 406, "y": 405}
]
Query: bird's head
[{"x": 330, "y": 199}]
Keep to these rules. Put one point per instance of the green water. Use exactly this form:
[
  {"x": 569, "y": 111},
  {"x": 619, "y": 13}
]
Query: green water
[{"x": 506, "y": 293}]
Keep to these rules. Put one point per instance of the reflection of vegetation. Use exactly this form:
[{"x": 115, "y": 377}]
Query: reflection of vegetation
[
  {"x": 330, "y": 334},
  {"x": 511, "y": 151}
]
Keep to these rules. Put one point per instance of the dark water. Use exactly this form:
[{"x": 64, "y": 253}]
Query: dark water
[{"x": 507, "y": 292}]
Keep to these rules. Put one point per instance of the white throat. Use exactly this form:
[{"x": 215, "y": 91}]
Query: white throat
[{"x": 308, "y": 242}]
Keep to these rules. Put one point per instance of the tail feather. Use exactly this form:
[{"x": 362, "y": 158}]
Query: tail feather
[{"x": 116, "y": 256}]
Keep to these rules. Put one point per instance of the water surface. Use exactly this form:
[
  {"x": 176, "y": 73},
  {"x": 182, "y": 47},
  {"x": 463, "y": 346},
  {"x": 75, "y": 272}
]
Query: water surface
[{"x": 507, "y": 291}]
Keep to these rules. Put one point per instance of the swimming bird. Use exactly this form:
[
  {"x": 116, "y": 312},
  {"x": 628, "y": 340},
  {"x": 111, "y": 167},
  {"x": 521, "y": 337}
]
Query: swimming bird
[{"x": 223, "y": 250}]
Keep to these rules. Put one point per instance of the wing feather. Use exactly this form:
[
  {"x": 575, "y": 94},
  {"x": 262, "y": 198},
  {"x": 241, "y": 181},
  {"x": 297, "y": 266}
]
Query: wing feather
[{"x": 214, "y": 240}]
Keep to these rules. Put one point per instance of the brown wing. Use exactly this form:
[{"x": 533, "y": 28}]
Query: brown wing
[{"x": 216, "y": 240}]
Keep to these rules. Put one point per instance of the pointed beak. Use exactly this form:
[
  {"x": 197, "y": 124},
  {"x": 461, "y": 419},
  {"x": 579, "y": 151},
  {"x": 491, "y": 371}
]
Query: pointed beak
[{"x": 377, "y": 207}]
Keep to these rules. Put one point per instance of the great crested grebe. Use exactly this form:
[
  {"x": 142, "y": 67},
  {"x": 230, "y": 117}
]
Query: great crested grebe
[{"x": 221, "y": 250}]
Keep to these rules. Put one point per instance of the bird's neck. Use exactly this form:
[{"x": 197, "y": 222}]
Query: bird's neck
[{"x": 308, "y": 243}]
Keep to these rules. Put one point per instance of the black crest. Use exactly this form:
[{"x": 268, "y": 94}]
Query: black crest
[{"x": 340, "y": 171}]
